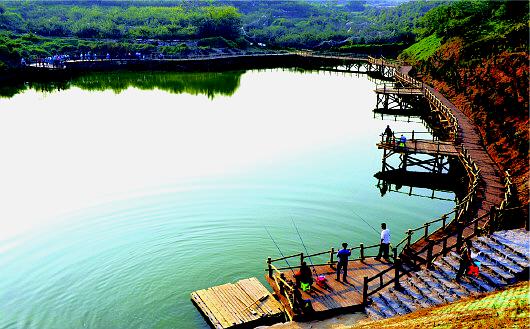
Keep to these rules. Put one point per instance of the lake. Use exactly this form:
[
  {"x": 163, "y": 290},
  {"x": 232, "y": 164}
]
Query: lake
[{"x": 123, "y": 192}]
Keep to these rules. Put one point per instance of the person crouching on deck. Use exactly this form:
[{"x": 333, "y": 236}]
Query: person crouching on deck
[
  {"x": 304, "y": 277},
  {"x": 342, "y": 263},
  {"x": 402, "y": 142}
]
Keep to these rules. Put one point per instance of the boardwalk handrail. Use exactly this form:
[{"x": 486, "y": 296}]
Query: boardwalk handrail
[
  {"x": 331, "y": 252},
  {"x": 487, "y": 220},
  {"x": 462, "y": 208}
]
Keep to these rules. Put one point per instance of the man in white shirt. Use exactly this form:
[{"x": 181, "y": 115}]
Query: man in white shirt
[{"x": 385, "y": 243}]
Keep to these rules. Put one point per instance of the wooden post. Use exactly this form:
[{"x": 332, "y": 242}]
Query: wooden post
[
  {"x": 362, "y": 251},
  {"x": 429, "y": 254},
  {"x": 269, "y": 265},
  {"x": 409, "y": 237},
  {"x": 301, "y": 258},
  {"x": 280, "y": 283},
  {"x": 394, "y": 253},
  {"x": 444, "y": 218},
  {"x": 444, "y": 247},
  {"x": 396, "y": 274},
  {"x": 475, "y": 227},
  {"x": 383, "y": 162},
  {"x": 426, "y": 234},
  {"x": 460, "y": 233},
  {"x": 492, "y": 225},
  {"x": 332, "y": 252},
  {"x": 412, "y": 135},
  {"x": 365, "y": 290}
]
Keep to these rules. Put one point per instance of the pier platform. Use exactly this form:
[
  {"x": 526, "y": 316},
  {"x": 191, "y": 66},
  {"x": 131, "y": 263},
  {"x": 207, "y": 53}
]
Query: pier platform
[
  {"x": 244, "y": 304},
  {"x": 336, "y": 296},
  {"x": 423, "y": 147}
]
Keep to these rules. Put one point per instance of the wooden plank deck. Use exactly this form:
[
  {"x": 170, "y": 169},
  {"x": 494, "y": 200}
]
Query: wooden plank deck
[
  {"x": 244, "y": 304},
  {"x": 399, "y": 91},
  {"x": 424, "y": 147},
  {"x": 337, "y": 296}
]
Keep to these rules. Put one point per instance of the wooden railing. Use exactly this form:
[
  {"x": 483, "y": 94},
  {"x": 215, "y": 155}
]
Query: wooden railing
[
  {"x": 384, "y": 62},
  {"x": 407, "y": 79},
  {"x": 445, "y": 111},
  {"x": 330, "y": 254},
  {"x": 396, "y": 89},
  {"x": 456, "y": 226},
  {"x": 508, "y": 193},
  {"x": 433, "y": 100},
  {"x": 480, "y": 225},
  {"x": 411, "y": 136}
]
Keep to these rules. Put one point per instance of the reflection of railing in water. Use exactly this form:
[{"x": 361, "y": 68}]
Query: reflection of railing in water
[{"x": 385, "y": 187}]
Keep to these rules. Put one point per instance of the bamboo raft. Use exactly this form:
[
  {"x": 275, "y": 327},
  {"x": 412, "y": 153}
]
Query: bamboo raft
[{"x": 244, "y": 304}]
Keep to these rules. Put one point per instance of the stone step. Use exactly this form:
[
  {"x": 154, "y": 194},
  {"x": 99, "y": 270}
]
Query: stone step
[
  {"x": 501, "y": 260},
  {"x": 484, "y": 272},
  {"x": 518, "y": 240},
  {"x": 458, "y": 289},
  {"x": 435, "y": 287},
  {"x": 501, "y": 249},
  {"x": 498, "y": 271},
  {"x": 450, "y": 274},
  {"x": 416, "y": 295},
  {"x": 384, "y": 309},
  {"x": 426, "y": 291},
  {"x": 477, "y": 282},
  {"x": 446, "y": 285},
  {"x": 373, "y": 313},
  {"x": 406, "y": 300},
  {"x": 394, "y": 304}
]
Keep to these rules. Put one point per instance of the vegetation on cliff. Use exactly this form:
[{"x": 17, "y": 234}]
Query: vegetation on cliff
[{"x": 476, "y": 53}]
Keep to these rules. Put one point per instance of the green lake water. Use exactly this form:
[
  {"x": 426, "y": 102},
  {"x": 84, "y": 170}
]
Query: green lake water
[{"x": 124, "y": 192}]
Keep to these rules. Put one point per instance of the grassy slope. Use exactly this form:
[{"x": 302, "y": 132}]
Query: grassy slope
[
  {"x": 508, "y": 308},
  {"x": 424, "y": 48}
]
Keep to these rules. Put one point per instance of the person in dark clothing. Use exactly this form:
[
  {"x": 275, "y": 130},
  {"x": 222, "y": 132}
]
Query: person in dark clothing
[
  {"x": 388, "y": 133},
  {"x": 300, "y": 304},
  {"x": 342, "y": 263},
  {"x": 385, "y": 243},
  {"x": 304, "y": 276},
  {"x": 465, "y": 260}
]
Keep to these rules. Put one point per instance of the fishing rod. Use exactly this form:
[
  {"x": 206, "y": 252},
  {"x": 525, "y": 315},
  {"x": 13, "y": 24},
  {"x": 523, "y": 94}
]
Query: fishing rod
[
  {"x": 281, "y": 253},
  {"x": 303, "y": 244},
  {"x": 356, "y": 214}
]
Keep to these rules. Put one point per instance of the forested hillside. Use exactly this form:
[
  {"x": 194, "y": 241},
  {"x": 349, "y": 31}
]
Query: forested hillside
[
  {"x": 44, "y": 28},
  {"x": 476, "y": 53}
]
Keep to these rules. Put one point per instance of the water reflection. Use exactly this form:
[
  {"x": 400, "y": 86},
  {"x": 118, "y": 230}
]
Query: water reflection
[{"x": 206, "y": 83}]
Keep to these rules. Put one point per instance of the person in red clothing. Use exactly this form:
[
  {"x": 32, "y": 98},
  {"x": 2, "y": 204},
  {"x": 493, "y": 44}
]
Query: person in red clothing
[{"x": 342, "y": 263}]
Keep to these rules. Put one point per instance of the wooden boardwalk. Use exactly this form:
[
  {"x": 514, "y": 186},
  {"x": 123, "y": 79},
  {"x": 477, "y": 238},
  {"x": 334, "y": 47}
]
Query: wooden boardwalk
[
  {"x": 335, "y": 297},
  {"x": 399, "y": 91},
  {"x": 244, "y": 304},
  {"x": 491, "y": 189},
  {"x": 423, "y": 147}
]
